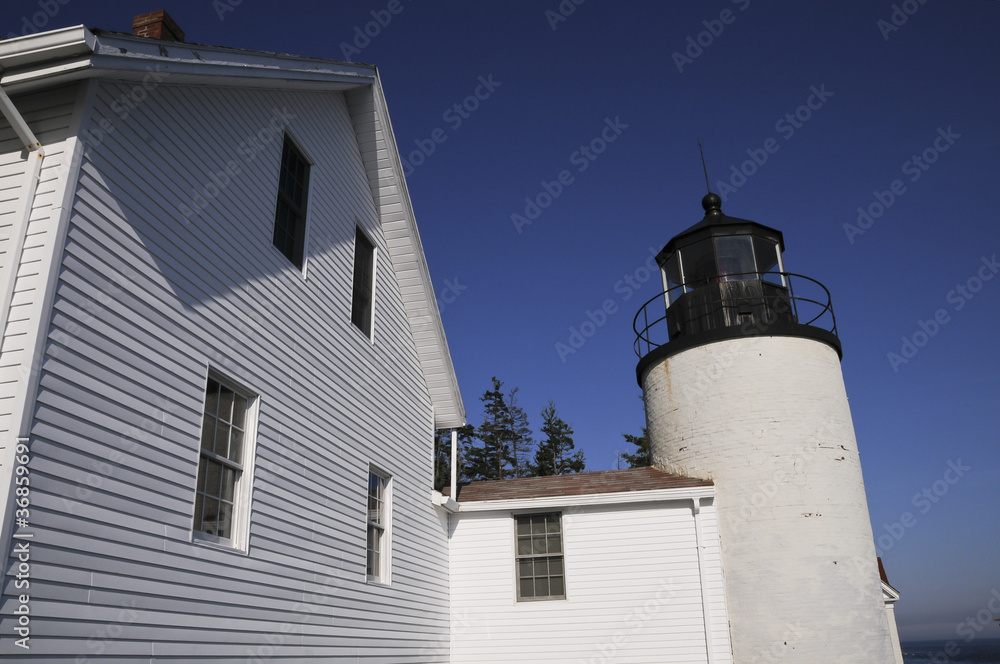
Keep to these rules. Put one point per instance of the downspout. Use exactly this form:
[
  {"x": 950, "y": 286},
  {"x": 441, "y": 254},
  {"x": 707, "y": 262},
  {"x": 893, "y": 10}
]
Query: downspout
[
  {"x": 705, "y": 609},
  {"x": 454, "y": 464}
]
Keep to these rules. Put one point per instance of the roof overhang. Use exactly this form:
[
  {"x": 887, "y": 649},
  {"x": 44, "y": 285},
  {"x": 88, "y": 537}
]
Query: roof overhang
[
  {"x": 59, "y": 56},
  {"x": 586, "y": 500}
]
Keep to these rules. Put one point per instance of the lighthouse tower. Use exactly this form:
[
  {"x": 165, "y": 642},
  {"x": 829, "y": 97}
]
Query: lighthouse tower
[{"x": 740, "y": 371}]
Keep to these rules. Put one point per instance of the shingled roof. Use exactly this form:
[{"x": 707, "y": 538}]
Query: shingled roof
[{"x": 579, "y": 484}]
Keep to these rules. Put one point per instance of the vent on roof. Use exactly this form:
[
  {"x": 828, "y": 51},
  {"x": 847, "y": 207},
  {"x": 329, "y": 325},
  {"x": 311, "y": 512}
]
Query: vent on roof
[{"x": 157, "y": 25}]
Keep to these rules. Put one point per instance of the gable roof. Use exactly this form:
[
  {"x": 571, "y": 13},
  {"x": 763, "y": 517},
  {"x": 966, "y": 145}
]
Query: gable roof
[
  {"x": 51, "y": 58},
  {"x": 580, "y": 484}
]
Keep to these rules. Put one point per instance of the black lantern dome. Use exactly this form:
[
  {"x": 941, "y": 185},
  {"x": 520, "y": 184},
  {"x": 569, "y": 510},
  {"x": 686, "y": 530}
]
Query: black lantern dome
[{"x": 722, "y": 278}]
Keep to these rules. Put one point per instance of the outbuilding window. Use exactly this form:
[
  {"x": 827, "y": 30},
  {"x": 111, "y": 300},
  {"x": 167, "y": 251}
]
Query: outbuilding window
[{"x": 540, "y": 571}]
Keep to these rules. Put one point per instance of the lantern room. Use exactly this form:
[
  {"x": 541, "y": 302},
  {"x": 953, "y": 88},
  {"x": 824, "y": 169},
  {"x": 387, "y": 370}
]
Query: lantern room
[{"x": 724, "y": 277}]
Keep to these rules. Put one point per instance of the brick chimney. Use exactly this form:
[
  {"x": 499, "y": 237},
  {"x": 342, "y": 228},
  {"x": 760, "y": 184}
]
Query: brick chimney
[{"x": 157, "y": 25}]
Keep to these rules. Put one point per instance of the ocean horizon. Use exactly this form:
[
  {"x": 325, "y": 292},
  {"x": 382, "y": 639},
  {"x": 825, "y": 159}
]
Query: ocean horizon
[{"x": 952, "y": 651}]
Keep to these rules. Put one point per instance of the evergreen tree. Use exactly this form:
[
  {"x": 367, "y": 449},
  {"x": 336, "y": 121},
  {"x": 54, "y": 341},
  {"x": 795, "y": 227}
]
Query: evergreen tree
[
  {"x": 442, "y": 454},
  {"x": 643, "y": 456},
  {"x": 521, "y": 441},
  {"x": 491, "y": 460},
  {"x": 505, "y": 437},
  {"x": 555, "y": 455}
]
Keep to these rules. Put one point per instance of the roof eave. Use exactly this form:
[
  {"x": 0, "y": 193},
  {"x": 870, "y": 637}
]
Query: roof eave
[
  {"x": 59, "y": 56},
  {"x": 611, "y": 498}
]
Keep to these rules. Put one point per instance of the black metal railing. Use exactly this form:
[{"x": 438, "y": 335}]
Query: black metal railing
[{"x": 751, "y": 301}]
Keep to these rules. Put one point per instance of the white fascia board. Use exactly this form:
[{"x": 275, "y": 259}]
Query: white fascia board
[
  {"x": 46, "y": 46},
  {"x": 618, "y": 498},
  {"x": 59, "y": 56},
  {"x": 449, "y": 411},
  {"x": 183, "y": 57},
  {"x": 889, "y": 594}
]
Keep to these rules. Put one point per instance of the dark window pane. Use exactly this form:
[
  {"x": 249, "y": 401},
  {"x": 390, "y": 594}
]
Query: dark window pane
[
  {"x": 541, "y": 587},
  {"x": 221, "y": 438},
  {"x": 210, "y": 524},
  {"x": 226, "y": 404},
  {"x": 556, "y": 586},
  {"x": 207, "y": 432},
  {"x": 527, "y": 588},
  {"x": 556, "y": 565},
  {"x": 523, "y": 546},
  {"x": 239, "y": 412},
  {"x": 541, "y": 566},
  {"x": 199, "y": 509},
  {"x": 524, "y": 568},
  {"x": 523, "y": 526},
  {"x": 235, "y": 445},
  {"x": 225, "y": 520},
  {"x": 554, "y": 544},
  {"x": 698, "y": 261},
  {"x": 361, "y": 297},
  {"x": 228, "y": 484},
  {"x": 290, "y": 208},
  {"x": 213, "y": 478},
  {"x": 211, "y": 397},
  {"x": 538, "y": 526},
  {"x": 735, "y": 256}
]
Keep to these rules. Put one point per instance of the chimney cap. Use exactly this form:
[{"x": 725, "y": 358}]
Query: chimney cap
[{"x": 157, "y": 25}]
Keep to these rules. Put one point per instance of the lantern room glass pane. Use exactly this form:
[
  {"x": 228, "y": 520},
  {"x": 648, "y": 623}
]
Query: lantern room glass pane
[
  {"x": 735, "y": 258},
  {"x": 699, "y": 264},
  {"x": 766, "y": 253}
]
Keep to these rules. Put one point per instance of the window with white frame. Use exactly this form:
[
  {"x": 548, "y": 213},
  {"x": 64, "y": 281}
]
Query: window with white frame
[
  {"x": 378, "y": 515},
  {"x": 221, "y": 506},
  {"x": 363, "y": 292},
  {"x": 540, "y": 571}
]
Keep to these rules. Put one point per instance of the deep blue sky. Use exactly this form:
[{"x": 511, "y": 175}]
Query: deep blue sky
[{"x": 886, "y": 96}]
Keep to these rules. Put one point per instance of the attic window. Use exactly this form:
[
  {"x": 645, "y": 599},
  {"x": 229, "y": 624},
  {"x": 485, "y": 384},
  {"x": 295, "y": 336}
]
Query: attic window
[
  {"x": 290, "y": 211},
  {"x": 363, "y": 293}
]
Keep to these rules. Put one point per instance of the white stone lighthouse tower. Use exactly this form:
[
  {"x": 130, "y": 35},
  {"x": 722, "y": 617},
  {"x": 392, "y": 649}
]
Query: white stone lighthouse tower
[{"x": 740, "y": 371}]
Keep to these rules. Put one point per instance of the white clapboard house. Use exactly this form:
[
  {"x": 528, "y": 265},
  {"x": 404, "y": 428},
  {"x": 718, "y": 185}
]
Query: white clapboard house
[{"x": 221, "y": 370}]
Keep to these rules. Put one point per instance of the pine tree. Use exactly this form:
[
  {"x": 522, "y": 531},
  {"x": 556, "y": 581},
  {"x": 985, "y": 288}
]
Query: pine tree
[
  {"x": 521, "y": 441},
  {"x": 555, "y": 454},
  {"x": 442, "y": 454},
  {"x": 643, "y": 456},
  {"x": 491, "y": 460},
  {"x": 505, "y": 436}
]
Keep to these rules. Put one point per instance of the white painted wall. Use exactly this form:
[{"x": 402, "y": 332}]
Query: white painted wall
[
  {"x": 147, "y": 300},
  {"x": 632, "y": 583},
  {"x": 767, "y": 419}
]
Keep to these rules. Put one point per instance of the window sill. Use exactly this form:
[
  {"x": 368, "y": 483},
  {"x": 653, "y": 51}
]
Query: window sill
[{"x": 198, "y": 540}]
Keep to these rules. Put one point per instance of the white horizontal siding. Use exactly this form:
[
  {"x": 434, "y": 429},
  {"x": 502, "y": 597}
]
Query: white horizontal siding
[
  {"x": 633, "y": 589},
  {"x": 147, "y": 300}
]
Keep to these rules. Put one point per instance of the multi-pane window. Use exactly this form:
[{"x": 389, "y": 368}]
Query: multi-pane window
[
  {"x": 290, "y": 211},
  {"x": 364, "y": 281},
  {"x": 540, "y": 573},
  {"x": 221, "y": 461},
  {"x": 378, "y": 527}
]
